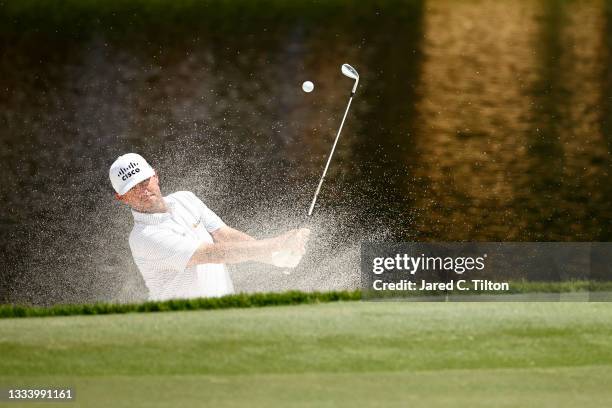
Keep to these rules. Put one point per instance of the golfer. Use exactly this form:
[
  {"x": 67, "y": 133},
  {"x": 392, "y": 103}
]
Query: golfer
[{"x": 180, "y": 245}]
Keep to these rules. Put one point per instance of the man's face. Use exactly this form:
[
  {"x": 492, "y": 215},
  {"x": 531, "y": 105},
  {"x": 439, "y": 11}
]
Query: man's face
[{"x": 145, "y": 196}]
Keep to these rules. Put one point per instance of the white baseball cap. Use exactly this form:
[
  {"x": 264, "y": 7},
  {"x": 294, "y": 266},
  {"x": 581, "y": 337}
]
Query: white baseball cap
[{"x": 129, "y": 170}]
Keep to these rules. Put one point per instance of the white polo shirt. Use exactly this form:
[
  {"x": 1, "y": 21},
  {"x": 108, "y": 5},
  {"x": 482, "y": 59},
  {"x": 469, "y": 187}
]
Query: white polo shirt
[{"x": 163, "y": 243}]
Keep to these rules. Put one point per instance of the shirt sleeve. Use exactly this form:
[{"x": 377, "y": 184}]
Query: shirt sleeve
[
  {"x": 212, "y": 221},
  {"x": 163, "y": 249}
]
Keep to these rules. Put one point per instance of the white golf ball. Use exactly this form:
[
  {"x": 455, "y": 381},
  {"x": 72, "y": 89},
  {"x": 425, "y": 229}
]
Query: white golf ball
[{"x": 307, "y": 86}]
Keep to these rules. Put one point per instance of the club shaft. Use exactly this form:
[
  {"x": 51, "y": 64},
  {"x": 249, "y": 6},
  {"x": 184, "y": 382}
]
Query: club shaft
[{"x": 331, "y": 154}]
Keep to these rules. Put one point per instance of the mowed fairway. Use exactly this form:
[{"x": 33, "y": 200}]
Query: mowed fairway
[{"x": 338, "y": 354}]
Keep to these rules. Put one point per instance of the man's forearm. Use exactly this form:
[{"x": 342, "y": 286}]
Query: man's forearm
[
  {"x": 234, "y": 252},
  {"x": 229, "y": 234}
]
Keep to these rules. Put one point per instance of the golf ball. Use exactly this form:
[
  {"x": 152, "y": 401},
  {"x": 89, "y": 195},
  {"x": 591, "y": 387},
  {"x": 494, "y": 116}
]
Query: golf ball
[{"x": 307, "y": 86}]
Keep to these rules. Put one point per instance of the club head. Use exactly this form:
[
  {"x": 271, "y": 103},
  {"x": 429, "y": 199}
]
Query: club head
[{"x": 351, "y": 72}]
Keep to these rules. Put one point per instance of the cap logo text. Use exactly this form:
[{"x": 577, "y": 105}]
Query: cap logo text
[{"x": 127, "y": 172}]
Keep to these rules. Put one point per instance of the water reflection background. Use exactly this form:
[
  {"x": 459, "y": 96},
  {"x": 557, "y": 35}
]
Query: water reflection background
[{"x": 475, "y": 120}]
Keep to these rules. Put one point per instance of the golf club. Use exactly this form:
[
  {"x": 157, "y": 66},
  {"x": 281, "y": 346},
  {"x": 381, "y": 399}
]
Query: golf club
[{"x": 350, "y": 72}]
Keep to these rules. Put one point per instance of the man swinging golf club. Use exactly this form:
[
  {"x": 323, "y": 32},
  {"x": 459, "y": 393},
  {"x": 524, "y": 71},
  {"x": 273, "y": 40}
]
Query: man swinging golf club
[{"x": 180, "y": 246}]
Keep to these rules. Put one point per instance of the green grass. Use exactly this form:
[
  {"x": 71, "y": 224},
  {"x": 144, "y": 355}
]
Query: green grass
[
  {"x": 241, "y": 300},
  {"x": 336, "y": 354},
  {"x": 588, "y": 290}
]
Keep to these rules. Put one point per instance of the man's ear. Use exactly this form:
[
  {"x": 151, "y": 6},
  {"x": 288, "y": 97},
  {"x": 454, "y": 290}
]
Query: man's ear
[{"x": 119, "y": 197}]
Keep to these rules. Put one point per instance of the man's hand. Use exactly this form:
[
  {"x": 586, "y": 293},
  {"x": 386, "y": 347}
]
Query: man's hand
[
  {"x": 294, "y": 240},
  {"x": 292, "y": 247}
]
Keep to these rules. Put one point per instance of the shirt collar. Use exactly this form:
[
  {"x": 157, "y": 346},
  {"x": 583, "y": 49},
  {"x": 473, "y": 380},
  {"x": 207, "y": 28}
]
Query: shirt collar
[{"x": 154, "y": 218}]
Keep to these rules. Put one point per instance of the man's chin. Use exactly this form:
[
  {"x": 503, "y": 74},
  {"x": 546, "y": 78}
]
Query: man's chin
[{"x": 151, "y": 205}]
